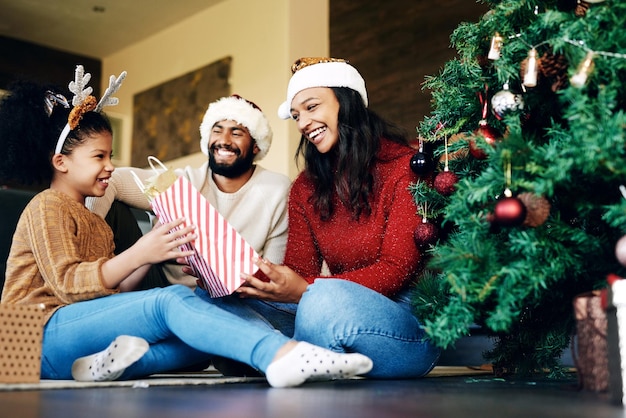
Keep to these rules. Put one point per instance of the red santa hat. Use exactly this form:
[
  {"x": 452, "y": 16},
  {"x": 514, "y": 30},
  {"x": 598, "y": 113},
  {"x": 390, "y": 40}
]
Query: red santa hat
[
  {"x": 245, "y": 113},
  {"x": 321, "y": 72}
]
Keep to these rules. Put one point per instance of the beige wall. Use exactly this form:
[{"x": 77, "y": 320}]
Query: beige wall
[{"x": 263, "y": 37}]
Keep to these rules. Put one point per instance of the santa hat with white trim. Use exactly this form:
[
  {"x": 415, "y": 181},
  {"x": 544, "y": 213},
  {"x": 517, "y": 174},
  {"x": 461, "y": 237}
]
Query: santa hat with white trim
[
  {"x": 321, "y": 72},
  {"x": 245, "y": 113}
]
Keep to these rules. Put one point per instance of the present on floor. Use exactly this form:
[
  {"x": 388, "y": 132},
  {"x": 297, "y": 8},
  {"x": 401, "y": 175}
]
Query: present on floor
[
  {"x": 589, "y": 347},
  {"x": 21, "y": 333}
]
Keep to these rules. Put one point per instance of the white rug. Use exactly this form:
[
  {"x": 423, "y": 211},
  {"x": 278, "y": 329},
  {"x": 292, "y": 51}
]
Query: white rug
[
  {"x": 177, "y": 379},
  {"x": 207, "y": 377}
]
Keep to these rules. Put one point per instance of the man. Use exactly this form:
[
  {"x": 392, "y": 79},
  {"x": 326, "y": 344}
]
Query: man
[{"x": 235, "y": 134}]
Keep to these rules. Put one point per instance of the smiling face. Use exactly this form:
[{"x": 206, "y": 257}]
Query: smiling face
[
  {"x": 231, "y": 149},
  {"x": 316, "y": 112},
  {"x": 87, "y": 169}
]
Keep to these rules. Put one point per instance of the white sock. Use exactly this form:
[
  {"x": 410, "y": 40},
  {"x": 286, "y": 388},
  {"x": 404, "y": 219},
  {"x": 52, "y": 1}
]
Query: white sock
[
  {"x": 110, "y": 363},
  {"x": 307, "y": 362}
]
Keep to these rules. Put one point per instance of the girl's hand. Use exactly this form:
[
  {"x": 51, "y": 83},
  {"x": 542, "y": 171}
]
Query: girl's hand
[
  {"x": 163, "y": 241},
  {"x": 285, "y": 285}
]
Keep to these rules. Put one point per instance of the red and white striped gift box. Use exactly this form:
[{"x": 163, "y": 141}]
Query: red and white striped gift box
[{"x": 221, "y": 253}]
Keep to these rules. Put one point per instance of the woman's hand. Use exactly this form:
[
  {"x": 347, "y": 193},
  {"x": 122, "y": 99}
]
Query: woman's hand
[
  {"x": 186, "y": 268},
  {"x": 285, "y": 285}
]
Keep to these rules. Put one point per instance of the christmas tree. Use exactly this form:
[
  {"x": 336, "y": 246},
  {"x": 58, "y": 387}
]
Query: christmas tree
[{"x": 525, "y": 147}]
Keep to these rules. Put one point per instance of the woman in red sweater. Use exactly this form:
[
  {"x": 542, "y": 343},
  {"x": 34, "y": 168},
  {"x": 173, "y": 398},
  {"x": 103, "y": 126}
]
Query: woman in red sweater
[{"x": 351, "y": 208}]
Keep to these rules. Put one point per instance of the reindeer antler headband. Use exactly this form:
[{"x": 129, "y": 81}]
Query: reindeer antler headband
[{"x": 84, "y": 102}]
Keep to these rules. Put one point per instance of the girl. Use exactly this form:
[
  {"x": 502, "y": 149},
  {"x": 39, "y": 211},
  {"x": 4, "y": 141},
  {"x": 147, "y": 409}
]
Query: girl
[
  {"x": 351, "y": 208},
  {"x": 62, "y": 259}
]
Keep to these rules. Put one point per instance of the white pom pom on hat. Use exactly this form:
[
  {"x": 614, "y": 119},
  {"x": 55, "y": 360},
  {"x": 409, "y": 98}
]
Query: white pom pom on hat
[
  {"x": 321, "y": 72},
  {"x": 245, "y": 113}
]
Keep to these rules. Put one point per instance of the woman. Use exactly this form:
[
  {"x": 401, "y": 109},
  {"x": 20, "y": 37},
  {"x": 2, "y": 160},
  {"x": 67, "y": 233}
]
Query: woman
[{"x": 351, "y": 208}]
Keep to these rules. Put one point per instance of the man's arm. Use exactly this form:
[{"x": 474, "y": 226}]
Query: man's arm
[{"x": 122, "y": 187}]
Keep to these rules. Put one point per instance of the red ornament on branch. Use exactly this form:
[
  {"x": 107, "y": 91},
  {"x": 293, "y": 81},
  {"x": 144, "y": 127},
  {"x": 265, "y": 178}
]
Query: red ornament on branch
[
  {"x": 425, "y": 233},
  {"x": 445, "y": 182},
  {"x": 509, "y": 210},
  {"x": 484, "y": 130}
]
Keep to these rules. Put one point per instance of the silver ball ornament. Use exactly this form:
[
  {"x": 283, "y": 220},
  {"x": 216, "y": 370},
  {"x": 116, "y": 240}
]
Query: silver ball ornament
[{"x": 505, "y": 102}]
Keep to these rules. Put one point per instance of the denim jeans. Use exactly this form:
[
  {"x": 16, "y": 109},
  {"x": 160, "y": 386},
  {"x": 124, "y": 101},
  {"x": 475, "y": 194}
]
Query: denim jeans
[
  {"x": 347, "y": 317},
  {"x": 182, "y": 330}
]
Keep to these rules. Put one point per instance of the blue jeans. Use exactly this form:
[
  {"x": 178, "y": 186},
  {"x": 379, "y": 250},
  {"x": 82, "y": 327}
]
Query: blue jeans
[
  {"x": 182, "y": 330},
  {"x": 347, "y": 317}
]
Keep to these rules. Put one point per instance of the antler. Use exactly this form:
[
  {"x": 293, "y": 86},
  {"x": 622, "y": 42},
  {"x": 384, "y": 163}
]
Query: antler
[
  {"x": 78, "y": 86},
  {"x": 107, "y": 98}
]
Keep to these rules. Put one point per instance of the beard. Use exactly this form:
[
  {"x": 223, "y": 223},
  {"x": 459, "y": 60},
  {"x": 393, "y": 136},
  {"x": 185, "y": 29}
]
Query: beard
[{"x": 231, "y": 170}]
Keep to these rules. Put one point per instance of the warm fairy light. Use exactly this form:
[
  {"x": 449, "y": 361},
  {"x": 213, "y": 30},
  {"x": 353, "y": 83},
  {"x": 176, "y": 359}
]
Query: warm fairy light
[
  {"x": 496, "y": 46},
  {"x": 585, "y": 68},
  {"x": 530, "y": 76}
]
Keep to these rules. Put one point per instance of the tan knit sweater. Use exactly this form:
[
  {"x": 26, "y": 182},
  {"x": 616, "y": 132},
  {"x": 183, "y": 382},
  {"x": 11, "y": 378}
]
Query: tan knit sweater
[{"x": 57, "y": 252}]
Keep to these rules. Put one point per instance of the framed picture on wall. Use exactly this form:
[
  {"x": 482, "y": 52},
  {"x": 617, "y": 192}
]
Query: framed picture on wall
[{"x": 167, "y": 117}]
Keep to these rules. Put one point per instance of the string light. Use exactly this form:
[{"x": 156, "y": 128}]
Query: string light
[
  {"x": 532, "y": 68},
  {"x": 586, "y": 66},
  {"x": 496, "y": 46},
  {"x": 584, "y": 70}
]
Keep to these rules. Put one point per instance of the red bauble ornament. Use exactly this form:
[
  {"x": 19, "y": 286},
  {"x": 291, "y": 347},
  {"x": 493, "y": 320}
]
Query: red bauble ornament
[
  {"x": 445, "y": 183},
  {"x": 489, "y": 134},
  {"x": 425, "y": 233},
  {"x": 509, "y": 211}
]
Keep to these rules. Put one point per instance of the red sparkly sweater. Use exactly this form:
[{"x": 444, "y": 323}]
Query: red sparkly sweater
[{"x": 377, "y": 251}]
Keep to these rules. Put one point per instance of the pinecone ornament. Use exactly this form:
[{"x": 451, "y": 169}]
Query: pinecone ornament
[
  {"x": 554, "y": 67},
  {"x": 537, "y": 209},
  {"x": 581, "y": 8},
  {"x": 462, "y": 152}
]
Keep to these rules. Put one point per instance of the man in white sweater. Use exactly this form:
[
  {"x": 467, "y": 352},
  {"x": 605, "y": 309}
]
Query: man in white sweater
[{"x": 234, "y": 135}]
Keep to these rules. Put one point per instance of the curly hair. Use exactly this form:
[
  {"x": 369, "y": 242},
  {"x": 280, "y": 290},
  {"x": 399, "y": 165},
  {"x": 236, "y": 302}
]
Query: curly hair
[
  {"x": 347, "y": 169},
  {"x": 28, "y": 135}
]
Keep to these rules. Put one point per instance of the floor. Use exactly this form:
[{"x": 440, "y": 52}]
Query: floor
[
  {"x": 441, "y": 396},
  {"x": 452, "y": 390}
]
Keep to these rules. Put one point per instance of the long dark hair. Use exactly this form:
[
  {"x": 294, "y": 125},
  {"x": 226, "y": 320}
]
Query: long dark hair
[
  {"x": 28, "y": 135},
  {"x": 347, "y": 168}
]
